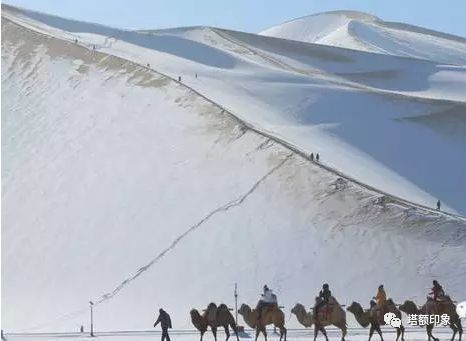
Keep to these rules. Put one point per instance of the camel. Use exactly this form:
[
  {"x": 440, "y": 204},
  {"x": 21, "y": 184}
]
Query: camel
[
  {"x": 214, "y": 317},
  {"x": 410, "y": 308},
  {"x": 271, "y": 315},
  {"x": 337, "y": 318},
  {"x": 372, "y": 318}
]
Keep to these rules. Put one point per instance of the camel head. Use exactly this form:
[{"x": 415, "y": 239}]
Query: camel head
[
  {"x": 355, "y": 308},
  {"x": 195, "y": 316},
  {"x": 244, "y": 309},
  {"x": 298, "y": 309},
  {"x": 197, "y": 320},
  {"x": 409, "y": 307}
]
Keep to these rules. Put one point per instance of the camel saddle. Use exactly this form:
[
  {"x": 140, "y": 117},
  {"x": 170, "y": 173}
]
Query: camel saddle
[
  {"x": 325, "y": 312},
  {"x": 434, "y": 306},
  {"x": 269, "y": 307}
]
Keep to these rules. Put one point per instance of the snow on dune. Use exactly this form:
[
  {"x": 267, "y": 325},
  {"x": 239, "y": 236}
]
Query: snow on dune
[
  {"x": 356, "y": 108},
  {"x": 364, "y": 32},
  {"x": 123, "y": 186}
]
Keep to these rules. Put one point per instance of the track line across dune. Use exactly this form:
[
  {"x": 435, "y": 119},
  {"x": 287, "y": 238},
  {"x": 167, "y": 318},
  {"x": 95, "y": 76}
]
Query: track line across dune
[{"x": 223, "y": 208}]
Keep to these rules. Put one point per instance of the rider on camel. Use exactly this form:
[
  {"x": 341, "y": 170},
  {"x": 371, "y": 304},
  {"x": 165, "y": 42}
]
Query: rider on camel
[
  {"x": 381, "y": 299},
  {"x": 437, "y": 291},
  {"x": 268, "y": 299},
  {"x": 322, "y": 299}
]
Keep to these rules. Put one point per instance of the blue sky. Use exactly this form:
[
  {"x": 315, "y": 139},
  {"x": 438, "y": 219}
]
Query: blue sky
[{"x": 248, "y": 15}]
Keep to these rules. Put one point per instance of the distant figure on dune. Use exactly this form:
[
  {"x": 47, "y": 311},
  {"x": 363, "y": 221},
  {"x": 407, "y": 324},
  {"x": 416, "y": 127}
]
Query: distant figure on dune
[
  {"x": 165, "y": 322},
  {"x": 312, "y": 156},
  {"x": 195, "y": 75},
  {"x": 438, "y": 205},
  {"x": 179, "y": 78},
  {"x": 81, "y": 329},
  {"x": 317, "y": 157}
]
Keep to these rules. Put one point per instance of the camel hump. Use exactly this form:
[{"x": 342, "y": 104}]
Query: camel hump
[
  {"x": 445, "y": 299},
  {"x": 212, "y": 305},
  {"x": 211, "y": 313},
  {"x": 222, "y": 307},
  {"x": 332, "y": 300},
  {"x": 390, "y": 302}
]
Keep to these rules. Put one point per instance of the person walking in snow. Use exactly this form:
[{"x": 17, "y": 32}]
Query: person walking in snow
[
  {"x": 165, "y": 322},
  {"x": 317, "y": 157},
  {"x": 312, "y": 156},
  {"x": 438, "y": 205},
  {"x": 179, "y": 78}
]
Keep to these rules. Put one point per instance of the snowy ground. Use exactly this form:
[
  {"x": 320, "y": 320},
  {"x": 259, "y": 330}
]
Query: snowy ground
[
  {"x": 413, "y": 334},
  {"x": 123, "y": 186}
]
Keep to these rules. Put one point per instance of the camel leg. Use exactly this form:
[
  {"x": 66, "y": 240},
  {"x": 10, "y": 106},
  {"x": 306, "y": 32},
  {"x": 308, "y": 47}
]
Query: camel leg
[
  {"x": 323, "y": 331},
  {"x": 429, "y": 333},
  {"x": 430, "y": 327},
  {"x": 453, "y": 327},
  {"x": 235, "y": 329},
  {"x": 227, "y": 332},
  {"x": 402, "y": 328},
  {"x": 265, "y": 333},
  {"x": 214, "y": 331},
  {"x": 371, "y": 331},
  {"x": 258, "y": 331},
  {"x": 460, "y": 329},
  {"x": 283, "y": 331},
  {"x": 342, "y": 327},
  {"x": 398, "y": 332},
  {"x": 379, "y": 331},
  {"x": 316, "y": 330}
]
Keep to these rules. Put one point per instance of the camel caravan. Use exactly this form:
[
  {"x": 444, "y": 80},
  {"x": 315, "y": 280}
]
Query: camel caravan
[{"x": 328, "y": 312}]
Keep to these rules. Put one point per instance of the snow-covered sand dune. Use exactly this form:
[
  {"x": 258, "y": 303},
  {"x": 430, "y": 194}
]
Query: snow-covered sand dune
[
  {"x": 369, "y": 115},
  {"x": 123, "y": 186},
  {"x": 361, "y": 31}
]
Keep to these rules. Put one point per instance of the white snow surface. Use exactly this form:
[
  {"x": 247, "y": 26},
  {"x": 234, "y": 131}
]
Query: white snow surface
[
  {"x": 334, "y": 334},
  {"x": 364, "y": 32},
  {"x": 123, "y": 186}
]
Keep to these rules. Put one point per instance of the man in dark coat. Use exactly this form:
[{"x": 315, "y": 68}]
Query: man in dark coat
[
  {"x": 323, "y": 299},
  {"x": 165, "y": 322}
]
